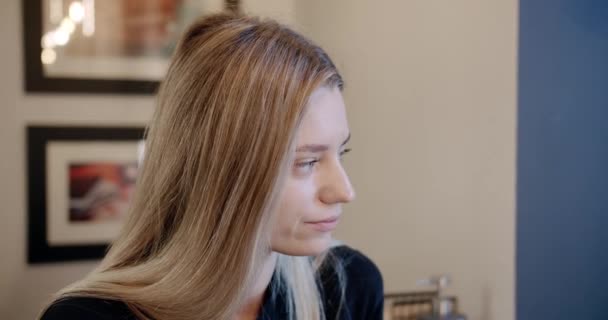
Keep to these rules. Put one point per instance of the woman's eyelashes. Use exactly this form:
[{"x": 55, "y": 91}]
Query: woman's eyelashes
[
  {"x": 343, "y": 152},
  {"x": 307, "y": 166}
]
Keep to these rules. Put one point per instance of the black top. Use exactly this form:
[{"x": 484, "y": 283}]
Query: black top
[{"x": 363, "y": 299}]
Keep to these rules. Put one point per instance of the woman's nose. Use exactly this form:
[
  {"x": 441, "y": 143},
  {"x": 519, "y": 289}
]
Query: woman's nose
[{"x": 337, "y": 187}]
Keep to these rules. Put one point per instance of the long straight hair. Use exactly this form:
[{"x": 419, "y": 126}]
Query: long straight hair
[{"x": 218, "y": 150}]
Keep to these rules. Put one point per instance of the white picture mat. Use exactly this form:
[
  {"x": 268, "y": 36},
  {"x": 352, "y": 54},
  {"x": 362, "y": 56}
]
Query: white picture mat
[
  {"x": 124, "y": 68},
  {"x": 60, "y": 154}
]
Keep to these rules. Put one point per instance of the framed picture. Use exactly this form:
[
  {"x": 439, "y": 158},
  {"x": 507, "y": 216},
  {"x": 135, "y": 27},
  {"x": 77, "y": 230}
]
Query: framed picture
[
  {"x": 80, "y": 183},
  {"x": 109, "y": 46}
]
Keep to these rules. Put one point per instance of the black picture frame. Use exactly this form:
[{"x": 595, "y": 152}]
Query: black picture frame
[
  {"x": 38, "y": 137},
  {"x": 35, "y": 80}
]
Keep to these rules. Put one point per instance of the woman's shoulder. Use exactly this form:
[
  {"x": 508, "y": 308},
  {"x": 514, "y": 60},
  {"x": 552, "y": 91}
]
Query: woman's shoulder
[
  {"x": 90, "y": 308},
  {"x": 357, "y": 265},
  {"x": 360, "y": 288}
]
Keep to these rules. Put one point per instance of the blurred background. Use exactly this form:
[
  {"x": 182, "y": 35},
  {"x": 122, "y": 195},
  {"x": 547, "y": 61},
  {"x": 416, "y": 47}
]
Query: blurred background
[{"x": 479, "y": 136}]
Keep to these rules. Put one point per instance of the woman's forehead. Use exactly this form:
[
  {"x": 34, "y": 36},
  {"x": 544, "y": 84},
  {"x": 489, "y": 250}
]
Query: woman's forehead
[{"x": 325, "y": 118}]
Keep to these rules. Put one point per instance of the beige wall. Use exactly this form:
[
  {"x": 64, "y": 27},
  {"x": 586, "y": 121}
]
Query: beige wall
[
  {"x": 431, "y": 93},
  {"x": 431, "y": 96},
  {"x": 281, "y": 10},
  {"x": 24, "y": 288}
]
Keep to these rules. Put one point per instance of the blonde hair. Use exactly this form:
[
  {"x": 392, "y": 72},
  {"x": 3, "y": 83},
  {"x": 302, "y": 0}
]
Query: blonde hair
[{"x": 217, "y": 152}]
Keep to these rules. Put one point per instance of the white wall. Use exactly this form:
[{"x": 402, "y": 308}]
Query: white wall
[{"x": 431, "y": 96}]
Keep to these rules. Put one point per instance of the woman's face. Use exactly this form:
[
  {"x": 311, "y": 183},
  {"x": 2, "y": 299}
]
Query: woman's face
[{"x": 311, "y": 202}]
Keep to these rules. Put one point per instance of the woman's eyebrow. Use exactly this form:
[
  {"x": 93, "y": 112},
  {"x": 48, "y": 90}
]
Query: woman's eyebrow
[{"x": 318, "y": 147}]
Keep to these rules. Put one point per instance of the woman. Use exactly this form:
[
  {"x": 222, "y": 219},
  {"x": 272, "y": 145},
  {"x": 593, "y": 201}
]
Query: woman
[{"x": 239, "y": 190}]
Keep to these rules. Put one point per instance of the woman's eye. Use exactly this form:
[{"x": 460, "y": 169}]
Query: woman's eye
[
  {"x": 305, "y": 167},
  {"x": 307, "y": 164}
]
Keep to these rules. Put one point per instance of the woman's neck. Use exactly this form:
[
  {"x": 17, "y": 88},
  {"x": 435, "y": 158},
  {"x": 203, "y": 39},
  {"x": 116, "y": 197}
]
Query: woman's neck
[{"x": 253, "y": 303}]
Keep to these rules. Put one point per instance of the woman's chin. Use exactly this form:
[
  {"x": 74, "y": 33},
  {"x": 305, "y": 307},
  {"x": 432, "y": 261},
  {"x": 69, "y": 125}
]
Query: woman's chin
[{"x": 308, "y": 247}]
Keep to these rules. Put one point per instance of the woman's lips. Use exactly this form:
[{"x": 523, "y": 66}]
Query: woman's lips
[{"x": 324, "y": 225}]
